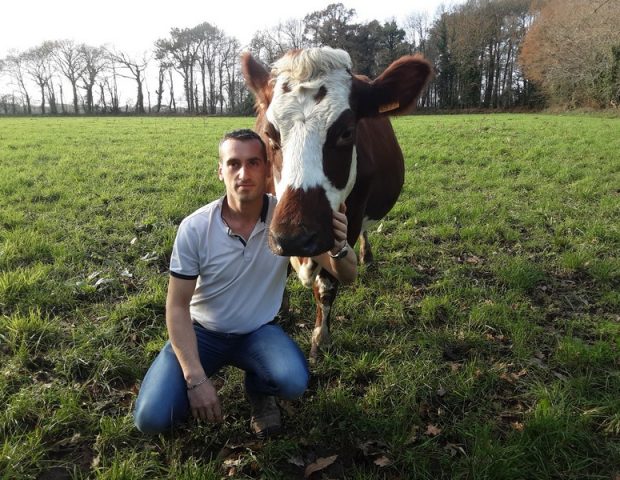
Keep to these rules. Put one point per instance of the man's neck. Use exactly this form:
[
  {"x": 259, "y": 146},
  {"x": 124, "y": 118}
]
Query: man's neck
[{"x": 243, "y": 212}]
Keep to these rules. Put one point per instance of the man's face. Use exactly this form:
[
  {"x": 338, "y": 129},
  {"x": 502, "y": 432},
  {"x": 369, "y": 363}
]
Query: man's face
[{"x": 243, "y": 170}]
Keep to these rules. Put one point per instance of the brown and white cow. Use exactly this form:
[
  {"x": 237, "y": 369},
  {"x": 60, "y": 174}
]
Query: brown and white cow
[{"x": 330, "y": 141}]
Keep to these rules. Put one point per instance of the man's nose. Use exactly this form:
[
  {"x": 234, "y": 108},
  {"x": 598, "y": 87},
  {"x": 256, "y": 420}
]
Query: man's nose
[{"x": 242, "y": 171}]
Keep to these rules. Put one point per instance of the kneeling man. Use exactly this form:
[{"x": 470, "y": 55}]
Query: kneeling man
[{"x": 224, "y": 291}]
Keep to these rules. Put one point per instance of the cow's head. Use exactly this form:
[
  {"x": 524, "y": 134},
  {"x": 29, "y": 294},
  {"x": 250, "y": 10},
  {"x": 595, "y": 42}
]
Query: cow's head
[{"x": 308, "y": 108}]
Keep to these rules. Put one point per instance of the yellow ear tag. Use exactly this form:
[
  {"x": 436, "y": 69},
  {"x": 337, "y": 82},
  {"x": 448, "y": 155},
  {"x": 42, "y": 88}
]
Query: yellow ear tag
[{"x": 389, "y": 107}]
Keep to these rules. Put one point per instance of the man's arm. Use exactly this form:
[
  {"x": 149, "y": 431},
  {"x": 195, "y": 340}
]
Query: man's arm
[
  {"x": 344, "y": 269},
  {"x": 203, "y": 399}
]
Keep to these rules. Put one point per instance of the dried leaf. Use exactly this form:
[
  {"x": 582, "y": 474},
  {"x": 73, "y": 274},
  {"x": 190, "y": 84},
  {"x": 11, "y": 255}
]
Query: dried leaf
[
  {"x": 69, "y": 440},
  {"x": 149, "y": 257},
  {"x": 454, "y": 448},
  {"x": 561, "y": 376},
  {"x": 93, "y": 275},
  {"x": 454, "y": 367},
  {"x": 472, "y": 260},
  {"x": 320, "y": 464},
  {"x": 373, "y": 447},
  {"x": 441, "y": 391},
  {"x": 413, "y": 436},
  {"x": 232, "y": 471},
  {"x": 232, "y": 462},
  {"x": 296, "y": 460},
  {"x": 432, "y": 430},
  {"x": 518, "y": 426},
  {"x": 102, "y": 282},
  {"x": 383, "y": 461}
]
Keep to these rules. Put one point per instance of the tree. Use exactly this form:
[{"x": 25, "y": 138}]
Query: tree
[
  {"x": 212, "y": 39},
  {"x": 330, "y": 27},
  {"x": 135, "y": 68},
  {"x": 181, "y": 51},
  {"x": 112, "y": 88},
  {"x": 71, "y": 61},
  {"x": 572, "y": 51},
  {"x": 95, "y": 63},
  {"x": 445, "y": 66},
  {"x": 364, "y": 56},
  {"x": 392, "y": 44},
  {"x": 473, "y": 46},
  {"x": 15, "y": 65},
  {"x": 416, "y": 31},
  {"x": 271, "y": 43},
  {"x": 38, "y": 66}
]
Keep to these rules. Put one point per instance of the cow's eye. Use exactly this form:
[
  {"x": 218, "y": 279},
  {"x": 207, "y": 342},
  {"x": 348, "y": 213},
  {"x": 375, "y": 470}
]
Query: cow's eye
[{"x": 346, "y": 137}]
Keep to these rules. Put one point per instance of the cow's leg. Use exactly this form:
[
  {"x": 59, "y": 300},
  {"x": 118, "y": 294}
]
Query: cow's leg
[
  {"x": 325, "y": 289},
  {"x": 366, "y": 257}
]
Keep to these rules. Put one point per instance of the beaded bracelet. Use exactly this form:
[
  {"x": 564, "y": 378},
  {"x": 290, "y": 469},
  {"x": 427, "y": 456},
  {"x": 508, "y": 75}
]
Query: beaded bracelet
[{"x": 197, "y": 384}]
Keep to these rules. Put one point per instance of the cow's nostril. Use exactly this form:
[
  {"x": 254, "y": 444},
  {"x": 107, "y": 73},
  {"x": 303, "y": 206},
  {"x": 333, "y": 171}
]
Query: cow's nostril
[
  {"x": 308, "y": 243},
  {"x": 303, "y": 244}
]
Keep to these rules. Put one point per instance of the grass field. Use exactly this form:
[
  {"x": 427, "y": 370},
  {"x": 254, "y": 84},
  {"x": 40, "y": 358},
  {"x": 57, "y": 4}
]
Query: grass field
[{"x": 484, "y": 343}]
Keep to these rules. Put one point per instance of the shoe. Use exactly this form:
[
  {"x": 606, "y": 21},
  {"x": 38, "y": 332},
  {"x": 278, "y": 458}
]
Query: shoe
[{"x": 266, "y": 419}]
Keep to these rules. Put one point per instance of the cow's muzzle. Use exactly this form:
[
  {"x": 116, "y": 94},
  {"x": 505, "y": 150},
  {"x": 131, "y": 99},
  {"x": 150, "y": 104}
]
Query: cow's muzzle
[{"x": 302, "y": 224}]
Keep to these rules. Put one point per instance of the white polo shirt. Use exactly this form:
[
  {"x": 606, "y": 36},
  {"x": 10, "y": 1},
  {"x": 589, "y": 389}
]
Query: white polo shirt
[{"x": 240, "y": 285}]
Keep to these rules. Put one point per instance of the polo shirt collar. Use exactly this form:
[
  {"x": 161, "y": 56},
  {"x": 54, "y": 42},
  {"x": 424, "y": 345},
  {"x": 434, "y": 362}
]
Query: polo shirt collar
[{"x": 263, "y": 213}]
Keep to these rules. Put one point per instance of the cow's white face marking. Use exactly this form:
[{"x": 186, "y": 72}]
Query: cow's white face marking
[{"x": 303, "y": 123}]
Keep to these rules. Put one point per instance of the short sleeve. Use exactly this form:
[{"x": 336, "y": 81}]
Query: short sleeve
[{"x": 185, "y": 259}]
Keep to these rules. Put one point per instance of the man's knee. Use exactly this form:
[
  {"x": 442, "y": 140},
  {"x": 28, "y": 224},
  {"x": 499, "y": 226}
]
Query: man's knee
[
  {"x": 294, "y": 386},
  {"x": 151, "y": 422}
]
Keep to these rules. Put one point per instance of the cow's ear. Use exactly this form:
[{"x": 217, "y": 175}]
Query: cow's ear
[
  {"x": 395, "y": 91},
  {"x": 257, "y": 80}
]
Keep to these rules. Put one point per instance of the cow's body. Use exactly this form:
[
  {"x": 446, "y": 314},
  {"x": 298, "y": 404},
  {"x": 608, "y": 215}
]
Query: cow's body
[{"x": 330, "y": 141}]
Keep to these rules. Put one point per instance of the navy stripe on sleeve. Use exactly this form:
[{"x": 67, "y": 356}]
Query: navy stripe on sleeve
[{"x": 183, "y": 277}]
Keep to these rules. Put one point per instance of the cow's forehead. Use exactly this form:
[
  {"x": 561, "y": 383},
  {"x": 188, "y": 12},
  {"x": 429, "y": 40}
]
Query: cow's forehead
[{"x": 316, "y": 103}]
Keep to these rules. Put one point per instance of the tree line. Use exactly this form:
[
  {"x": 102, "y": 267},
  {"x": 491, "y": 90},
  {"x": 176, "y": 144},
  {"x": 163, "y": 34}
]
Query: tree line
[{"x": 491, "y": 54}]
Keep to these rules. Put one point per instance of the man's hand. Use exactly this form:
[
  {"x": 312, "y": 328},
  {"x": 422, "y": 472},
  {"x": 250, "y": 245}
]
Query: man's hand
[
  {"x": 339, "y": 223},
  {"x": 345, "y": 268},
  {"x": 204, "y": 403}
]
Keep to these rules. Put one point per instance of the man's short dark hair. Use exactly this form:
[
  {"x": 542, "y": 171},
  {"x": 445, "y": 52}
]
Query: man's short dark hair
[{"x": 244, "y": 135}]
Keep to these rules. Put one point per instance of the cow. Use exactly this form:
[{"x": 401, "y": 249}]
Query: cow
[{"x": 330, "y": 141}]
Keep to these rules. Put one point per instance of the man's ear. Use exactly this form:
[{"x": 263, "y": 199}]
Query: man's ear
[{"x": 219, "y": 171}]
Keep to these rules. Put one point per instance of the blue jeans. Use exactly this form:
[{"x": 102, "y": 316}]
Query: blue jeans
[{"x": 273, "y": 365}]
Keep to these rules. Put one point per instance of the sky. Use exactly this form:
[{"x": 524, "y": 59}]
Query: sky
[{"x": 134, "y": 25}]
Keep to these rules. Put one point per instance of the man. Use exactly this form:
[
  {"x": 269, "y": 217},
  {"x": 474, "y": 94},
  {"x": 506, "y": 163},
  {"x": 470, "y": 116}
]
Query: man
[{"x": 224, "y": 291}]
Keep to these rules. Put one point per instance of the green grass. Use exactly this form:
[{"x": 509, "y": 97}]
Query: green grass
[{"x": 484, "y": 342}]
